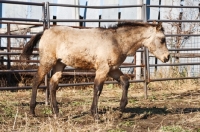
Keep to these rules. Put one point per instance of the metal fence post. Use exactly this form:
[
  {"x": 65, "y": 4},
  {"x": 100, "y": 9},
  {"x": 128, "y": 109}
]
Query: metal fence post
[
  {"x": 145, "y": 56},
  {"x": 8, "y": 56},
  {"x": 46, "y": 25}
]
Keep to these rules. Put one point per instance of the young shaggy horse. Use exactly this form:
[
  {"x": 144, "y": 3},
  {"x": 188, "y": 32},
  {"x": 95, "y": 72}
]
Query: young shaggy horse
[{"x": 102, "y": 49}]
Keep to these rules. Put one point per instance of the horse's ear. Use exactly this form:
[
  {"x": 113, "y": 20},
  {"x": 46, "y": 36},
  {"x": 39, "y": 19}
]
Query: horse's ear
[
  {"x": 154, "y": 21},
  {"x": 159, "y": 26}
]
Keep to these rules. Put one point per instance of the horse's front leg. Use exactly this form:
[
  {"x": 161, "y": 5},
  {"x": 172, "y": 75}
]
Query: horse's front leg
[
  {"x": 98, "y": 86},
  {"x": 124, "y": 81},
  {"x": 57, "y": 74}
]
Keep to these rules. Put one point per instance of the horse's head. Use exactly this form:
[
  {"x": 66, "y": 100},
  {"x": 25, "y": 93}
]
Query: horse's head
[{"x": 158, "y": 45}]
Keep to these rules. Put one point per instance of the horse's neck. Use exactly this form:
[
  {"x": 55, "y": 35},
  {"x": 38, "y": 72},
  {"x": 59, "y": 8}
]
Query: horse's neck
[{"x": 131, "y": 40}]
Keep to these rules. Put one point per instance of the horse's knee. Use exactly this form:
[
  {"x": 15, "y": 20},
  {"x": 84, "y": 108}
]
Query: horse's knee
[
  {"x": 55, "y": 78},
  {"x": 124, "y": 81}
]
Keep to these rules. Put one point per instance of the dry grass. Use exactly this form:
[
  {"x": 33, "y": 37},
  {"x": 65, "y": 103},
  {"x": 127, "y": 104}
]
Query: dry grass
[{"x": 171, "y": 106}]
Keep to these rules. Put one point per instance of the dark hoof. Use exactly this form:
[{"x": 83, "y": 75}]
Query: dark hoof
[
  {"x": 121, "y": 109},
  {"x": 31, "y": 114}
]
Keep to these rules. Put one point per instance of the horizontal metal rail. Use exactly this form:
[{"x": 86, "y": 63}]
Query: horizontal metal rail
[
  {"x": 17, "y": 48},
  {"x": 151, "y": 20},
  {"x": 92, "y": 83},
  {"x": 140, "y": 50},
  {"x": 167, "y": 6},
  {"x": 94, "y": 7},
  {"x": 13, "y": 53},
  {"x": 95, "y": 20},
  {"x": 181, "y": 35},
  {"x": 15, "y": 36},
  {"x": 185, "y": 49},
  {"x": 36, "y": 49},
  {"x": 66, "y": 69},
  {"x": 29, "y": 36},
  {"x": 22, "y": 3},
  {"x": 175, "y": 64},
  {"x": 26, "y": 61},
  {"x": 23, "y": 87},
  {"x": 71, "y": 20},
  {"x": 21, "y": 19},
  {"x": 65, "y": 85},
  {"x": 122, "y": 66},
  {"x": 15, "y": 71},
  {"x": 169, "y": 79},
  {"x": 21, "y": 23}
]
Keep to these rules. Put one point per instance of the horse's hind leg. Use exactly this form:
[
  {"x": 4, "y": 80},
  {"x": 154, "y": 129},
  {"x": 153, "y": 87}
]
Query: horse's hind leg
[
  {"x": 57, "y": 74},
  {"x": 42, "y": 71},
  {"x": 124, "y": 81}
]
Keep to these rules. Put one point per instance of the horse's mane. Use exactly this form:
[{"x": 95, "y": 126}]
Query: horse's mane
[
  {"x": 131, "y": 24},
  {"x": 128, "y": 24}
]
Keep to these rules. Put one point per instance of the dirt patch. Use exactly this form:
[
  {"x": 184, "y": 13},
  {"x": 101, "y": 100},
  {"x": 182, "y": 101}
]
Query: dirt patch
[{"x": 163, "y": 111}]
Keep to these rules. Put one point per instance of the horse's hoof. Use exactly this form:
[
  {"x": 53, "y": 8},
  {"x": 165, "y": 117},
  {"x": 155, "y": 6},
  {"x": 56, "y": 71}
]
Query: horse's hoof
[
  {"x": 121, "y": 109},
  {"x": 32, "y": 114}
]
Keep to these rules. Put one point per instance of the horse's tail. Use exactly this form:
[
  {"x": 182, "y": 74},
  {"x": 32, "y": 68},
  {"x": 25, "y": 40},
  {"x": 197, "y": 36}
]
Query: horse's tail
[{"x": 28, "y": 48}]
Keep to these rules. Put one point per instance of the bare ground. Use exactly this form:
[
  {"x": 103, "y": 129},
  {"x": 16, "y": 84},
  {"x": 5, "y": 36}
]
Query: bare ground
[{"x": 167, "y": 109}]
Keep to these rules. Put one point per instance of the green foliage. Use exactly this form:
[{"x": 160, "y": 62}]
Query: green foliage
[
  {"x": 110, "y": 86},
  {"x": 127, "y": 123},
  {"x": 132, "y": 101},
  {"x": 116, "y": 130},
  {"x": 152, "y": 97},
  {"x": 47, "y": 110},
  {"x": 173, "y": 129},
  {"x": 183, "y": 72},
  {"x": 7, "y": 109},
  {"x": 77, "y": 103}
]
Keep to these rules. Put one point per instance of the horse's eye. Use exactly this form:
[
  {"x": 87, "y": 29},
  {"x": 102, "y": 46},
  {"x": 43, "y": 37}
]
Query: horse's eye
[{"x": 163, "y": 40}]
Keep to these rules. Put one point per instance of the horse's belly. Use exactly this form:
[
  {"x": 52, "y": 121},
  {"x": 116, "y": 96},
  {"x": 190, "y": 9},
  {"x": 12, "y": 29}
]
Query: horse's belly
[
  {"x": 79, "y": 62},
  {"x": 82, "y": 64}
]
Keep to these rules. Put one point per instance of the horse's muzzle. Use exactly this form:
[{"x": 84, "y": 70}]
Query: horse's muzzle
[{"x": 166, "y": 59}]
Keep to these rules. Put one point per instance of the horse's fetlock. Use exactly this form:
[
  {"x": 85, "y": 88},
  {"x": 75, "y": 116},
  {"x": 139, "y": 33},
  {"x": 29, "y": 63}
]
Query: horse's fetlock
[
  {"x": 55, "y": 110},
  {"x": 32, "y": 112},
  {"x": 123, "y": 104}
]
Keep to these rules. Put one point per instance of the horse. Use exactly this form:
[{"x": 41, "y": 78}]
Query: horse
[{"x": 101, "y": 49}]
